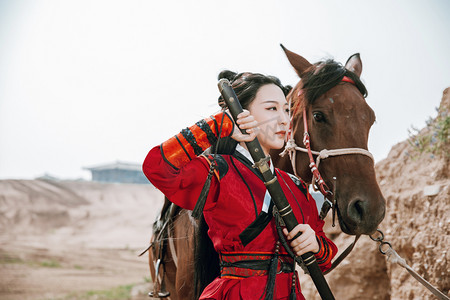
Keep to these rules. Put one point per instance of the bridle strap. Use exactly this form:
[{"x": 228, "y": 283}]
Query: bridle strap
[
  {"x": 348, "y": 79},
  {"x": 312, "y": 165},
  {"x": 291, "y": 148}
]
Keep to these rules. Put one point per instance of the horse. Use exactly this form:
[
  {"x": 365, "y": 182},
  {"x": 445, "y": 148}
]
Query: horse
[
  {"x": 175, "y": 229},
  {"x": 334, "y": 114},
  {"x": 338, "y": 119}
]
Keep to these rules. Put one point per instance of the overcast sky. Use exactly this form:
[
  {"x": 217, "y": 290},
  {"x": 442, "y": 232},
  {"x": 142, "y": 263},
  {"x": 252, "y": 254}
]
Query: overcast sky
[{"x": 87, "y": 82}]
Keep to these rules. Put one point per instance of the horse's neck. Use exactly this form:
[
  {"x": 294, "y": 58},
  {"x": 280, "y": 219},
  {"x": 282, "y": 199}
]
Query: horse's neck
[{"x": 284, "y": 163}]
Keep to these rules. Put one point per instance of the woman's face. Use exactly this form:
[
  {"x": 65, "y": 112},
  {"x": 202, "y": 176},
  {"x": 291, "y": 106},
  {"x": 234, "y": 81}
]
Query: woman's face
[{"x": 270, "y": 110}]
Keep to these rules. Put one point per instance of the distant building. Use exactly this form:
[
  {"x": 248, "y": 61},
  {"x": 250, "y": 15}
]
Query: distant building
[
  {"x": 118, "y": 172},
  {"x": 47, "y": 176}
]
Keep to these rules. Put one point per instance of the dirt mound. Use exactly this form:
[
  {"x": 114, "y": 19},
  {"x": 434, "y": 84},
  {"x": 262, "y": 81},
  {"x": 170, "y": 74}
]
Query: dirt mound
[
  {"x": 91, "y": 214},
  {"x": 415, "y": 179},
  {"x": 84, "y": 235}
]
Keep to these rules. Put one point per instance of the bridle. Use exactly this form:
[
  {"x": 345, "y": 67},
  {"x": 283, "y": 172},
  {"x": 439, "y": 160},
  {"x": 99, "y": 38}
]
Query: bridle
[
  {"x": 291, "y": 148},
  {"x": 330, "y": 201}
]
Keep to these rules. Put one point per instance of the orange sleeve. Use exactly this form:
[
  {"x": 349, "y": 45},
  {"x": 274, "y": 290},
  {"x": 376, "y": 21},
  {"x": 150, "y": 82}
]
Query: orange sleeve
[{"x": 192, "y": 141}]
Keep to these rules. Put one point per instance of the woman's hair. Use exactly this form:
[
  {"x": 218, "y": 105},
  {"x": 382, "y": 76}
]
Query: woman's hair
[
  {"x": 206, "y": 259},
  {"x": 247, "y": 84}
]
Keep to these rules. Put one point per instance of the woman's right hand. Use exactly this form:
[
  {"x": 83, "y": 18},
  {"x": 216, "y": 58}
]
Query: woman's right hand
[{"x": 245, "y": 121}]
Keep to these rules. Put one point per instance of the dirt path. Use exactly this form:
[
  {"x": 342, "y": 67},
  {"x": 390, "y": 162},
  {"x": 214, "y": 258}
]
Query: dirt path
[{"x": 32, "y": 270}]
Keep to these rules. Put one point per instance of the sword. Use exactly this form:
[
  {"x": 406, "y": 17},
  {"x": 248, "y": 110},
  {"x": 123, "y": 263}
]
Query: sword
[{"x": 275, "y": 191}]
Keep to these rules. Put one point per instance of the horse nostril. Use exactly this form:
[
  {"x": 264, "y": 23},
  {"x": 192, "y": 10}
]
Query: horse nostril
[{"x": 356, "y": 211}]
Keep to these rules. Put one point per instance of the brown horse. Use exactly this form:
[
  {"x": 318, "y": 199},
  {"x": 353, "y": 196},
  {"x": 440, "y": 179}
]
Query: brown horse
[
  {"x": 171, "y": 255},
  {"x": 337, "y": 117}
]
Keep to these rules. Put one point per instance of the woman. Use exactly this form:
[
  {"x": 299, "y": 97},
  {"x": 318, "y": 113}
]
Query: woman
[{"x": 238, "y": 209}]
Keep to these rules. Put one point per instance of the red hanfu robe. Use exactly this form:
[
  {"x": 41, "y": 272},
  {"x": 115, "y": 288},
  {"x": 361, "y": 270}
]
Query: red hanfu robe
[{"x": 229, "y": 209}]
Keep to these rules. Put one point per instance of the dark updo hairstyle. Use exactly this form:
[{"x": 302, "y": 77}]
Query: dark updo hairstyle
[{"x": 247, "y": 84}]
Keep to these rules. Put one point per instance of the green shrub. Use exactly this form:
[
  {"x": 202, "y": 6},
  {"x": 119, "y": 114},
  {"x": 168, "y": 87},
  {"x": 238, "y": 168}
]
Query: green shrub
[{"x": 435, "y": 139}]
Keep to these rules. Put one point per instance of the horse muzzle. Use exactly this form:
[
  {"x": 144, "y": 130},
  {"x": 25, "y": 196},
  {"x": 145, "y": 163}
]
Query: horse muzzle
[{"x": 361, "y": 216}]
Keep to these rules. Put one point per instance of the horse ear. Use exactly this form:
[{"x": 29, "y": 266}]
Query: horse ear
[
  {"x": 299, "y": 63},
  {"x": 354, "y": 64}
]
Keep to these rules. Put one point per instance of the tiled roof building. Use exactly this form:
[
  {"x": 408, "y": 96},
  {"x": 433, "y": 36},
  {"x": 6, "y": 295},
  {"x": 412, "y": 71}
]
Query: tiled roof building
[{"x": 118, "y": 172}]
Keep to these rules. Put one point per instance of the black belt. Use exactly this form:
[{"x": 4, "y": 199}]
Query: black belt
[
  {"x": 243, "y": 267},
  {"x": 284, "y": 267}
]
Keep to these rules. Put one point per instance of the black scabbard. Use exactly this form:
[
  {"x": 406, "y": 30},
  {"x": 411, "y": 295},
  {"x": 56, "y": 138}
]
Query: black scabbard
[{"x": 275, "y": 191}]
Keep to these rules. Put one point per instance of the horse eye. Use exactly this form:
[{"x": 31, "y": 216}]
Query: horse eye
[{"x": 319, "y": 117}]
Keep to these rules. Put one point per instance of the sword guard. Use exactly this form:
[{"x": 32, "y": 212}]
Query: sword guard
[{"x": 262, "y": 164}]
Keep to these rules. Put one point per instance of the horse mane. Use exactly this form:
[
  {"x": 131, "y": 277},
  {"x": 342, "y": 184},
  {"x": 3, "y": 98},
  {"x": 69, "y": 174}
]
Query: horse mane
[
  {"x": 206, "y": 259},
  {"x": 324, "y": 75}
]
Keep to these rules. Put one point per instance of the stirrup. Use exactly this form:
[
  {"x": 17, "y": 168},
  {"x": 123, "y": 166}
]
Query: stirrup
[
  {"x": 159, "y": 286},
  {"x": 160, "y": 294}
]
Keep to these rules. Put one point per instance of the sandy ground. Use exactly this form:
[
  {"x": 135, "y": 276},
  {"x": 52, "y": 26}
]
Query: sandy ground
[
  {"x": 48, "y": 272},
  {"x": 82, "y": 244}
]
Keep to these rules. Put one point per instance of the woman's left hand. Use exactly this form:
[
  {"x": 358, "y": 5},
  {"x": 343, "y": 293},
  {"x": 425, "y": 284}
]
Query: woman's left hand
[
  {"x": 306, "y": 242},
  {"x": 245, "y": 121}
]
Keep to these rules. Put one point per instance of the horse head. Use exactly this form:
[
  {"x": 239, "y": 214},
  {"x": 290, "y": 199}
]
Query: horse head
[{"x": 331, "y": 97}]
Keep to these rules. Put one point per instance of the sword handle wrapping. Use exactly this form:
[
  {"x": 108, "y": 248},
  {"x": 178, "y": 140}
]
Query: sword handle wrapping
[{"x": 235, "y": 108}]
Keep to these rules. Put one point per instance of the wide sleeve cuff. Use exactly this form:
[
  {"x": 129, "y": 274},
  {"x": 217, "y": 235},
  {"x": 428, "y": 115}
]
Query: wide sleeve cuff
[
  {"x": 325, "y": 253},
  {"x": 192, "y": 141}
]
